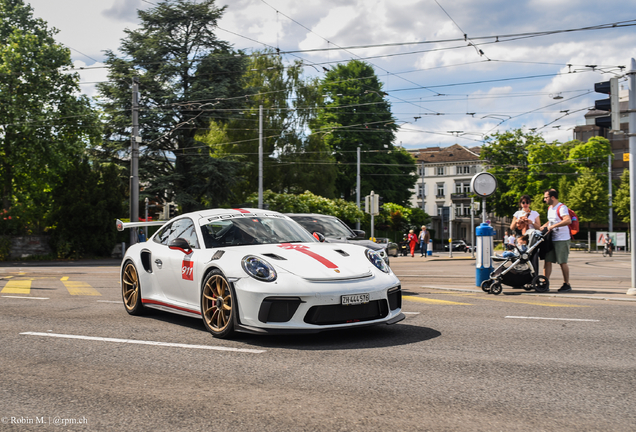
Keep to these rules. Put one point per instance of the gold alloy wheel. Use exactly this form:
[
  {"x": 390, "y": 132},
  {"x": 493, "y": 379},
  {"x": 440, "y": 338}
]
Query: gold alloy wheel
[
  {"x": 217, "y": 303},
  {"x": 130, "y": 287}
]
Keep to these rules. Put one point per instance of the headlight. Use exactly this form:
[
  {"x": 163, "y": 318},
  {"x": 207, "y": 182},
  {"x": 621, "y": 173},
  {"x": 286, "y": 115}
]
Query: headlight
[
  {"x": 258, "y": 268},
  {"x": 377, "y": 260}
]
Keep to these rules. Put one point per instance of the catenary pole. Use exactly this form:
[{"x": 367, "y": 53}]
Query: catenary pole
[
  {"x": 632, "y": 171},
  {"x": 609, "y": 189},
  {"x": 134, "y": 160},
  {"x": 260, "y": 156},
  {"x": 358, "y": 186}
]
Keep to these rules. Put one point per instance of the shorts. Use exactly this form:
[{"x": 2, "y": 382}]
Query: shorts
[{"x": 559, "y": 253}]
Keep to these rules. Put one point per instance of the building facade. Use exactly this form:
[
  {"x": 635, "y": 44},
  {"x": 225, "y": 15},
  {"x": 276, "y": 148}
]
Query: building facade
[{"x": 444, "y": 185}]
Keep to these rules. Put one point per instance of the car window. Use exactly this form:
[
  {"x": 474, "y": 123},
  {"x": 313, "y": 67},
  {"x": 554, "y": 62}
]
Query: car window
[
  {"x": 253, "y": 230},
  {"x": 181, "y": 228},
  {"x": 328, "y": 226}
]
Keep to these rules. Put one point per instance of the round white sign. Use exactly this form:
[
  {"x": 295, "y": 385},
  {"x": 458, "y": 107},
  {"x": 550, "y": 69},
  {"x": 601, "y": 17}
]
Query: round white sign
[{"x": 483, "y": 184}]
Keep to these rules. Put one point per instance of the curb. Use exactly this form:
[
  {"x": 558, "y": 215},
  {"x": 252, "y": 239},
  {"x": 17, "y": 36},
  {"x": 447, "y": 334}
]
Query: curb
[{"x": 548, "y": 294}]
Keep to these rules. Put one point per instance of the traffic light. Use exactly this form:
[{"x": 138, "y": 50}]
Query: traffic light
[
  {"x": 172, "y": 211},
  {"x": 380, "y": 202},
  {"x": 612, "y": 121}
]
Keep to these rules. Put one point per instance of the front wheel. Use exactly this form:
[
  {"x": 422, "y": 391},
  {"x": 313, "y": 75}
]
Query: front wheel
[
  {"x": 496, "y": 288},
  {"x": 485, "y": 285},
  {"x": 131, "y": 290},
  {"x": 541, "y": 284},
  {"x": 218, "y": 305},
  {"x": 604, "y": 253}
]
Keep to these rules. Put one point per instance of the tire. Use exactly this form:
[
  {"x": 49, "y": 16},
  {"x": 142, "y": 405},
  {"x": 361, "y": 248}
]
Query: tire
[
  {"x": 218, "y": 305},
  {"x": 485, "y": 285},
  {"x": 131, "y": 290},
  {"x": 496, "y": 288},
  {"x": 604, "y": 253},
  {"x": 611, "y": 252},
  {"x": 541, "y": 284}
]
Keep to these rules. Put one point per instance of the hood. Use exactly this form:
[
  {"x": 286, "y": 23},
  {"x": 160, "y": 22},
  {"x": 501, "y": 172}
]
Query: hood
[
  {"x": 366, "y": 243},
  {"x": 317, "y": 261}
]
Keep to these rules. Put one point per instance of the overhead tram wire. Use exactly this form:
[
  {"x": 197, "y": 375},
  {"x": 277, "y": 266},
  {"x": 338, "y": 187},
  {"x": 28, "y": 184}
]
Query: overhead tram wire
[{"x": 349, "y": 52}]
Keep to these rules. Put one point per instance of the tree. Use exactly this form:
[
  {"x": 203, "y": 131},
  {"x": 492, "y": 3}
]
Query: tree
[
  {"x": 187, "y": 78},
  {"x": 293, "y": 160},
  {"x": 588, "y": 198},
  {"x": 43, "y": 121},
  {"x": 507, "y": 155},
  {"x": 85, "y": 204},
  {"x": 355, "y": 114},
  {"x": 623, "y": 200}
]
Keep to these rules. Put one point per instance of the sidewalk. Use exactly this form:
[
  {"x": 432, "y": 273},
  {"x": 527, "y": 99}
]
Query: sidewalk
[{"x": 591, "y": 275}]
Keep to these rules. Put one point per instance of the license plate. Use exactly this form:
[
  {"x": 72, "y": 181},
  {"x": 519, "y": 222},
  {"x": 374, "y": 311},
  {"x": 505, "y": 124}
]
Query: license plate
[{"x": 354, "y": 299}]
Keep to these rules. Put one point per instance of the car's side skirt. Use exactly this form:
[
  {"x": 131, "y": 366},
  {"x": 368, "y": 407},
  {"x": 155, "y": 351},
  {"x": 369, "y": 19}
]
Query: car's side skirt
[{"x": 167, "y": 307}]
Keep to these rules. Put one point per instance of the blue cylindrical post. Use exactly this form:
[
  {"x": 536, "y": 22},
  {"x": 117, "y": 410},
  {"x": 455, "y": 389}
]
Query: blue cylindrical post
[
  {"x": 429, "y": 251},
  {"x": 483, "y": 264}
]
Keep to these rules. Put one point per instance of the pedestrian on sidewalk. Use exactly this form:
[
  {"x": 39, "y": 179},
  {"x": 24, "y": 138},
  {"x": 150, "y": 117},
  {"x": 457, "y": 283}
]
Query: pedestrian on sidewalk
[
  {"x": 557, "y": 225},
  {"x": 412, "y": 239},
  {"x": 424, "y": 237}
]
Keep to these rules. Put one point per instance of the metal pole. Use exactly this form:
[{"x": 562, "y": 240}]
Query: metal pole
[
  {"x": 609, "y": 189},
  {"x": 358, "y": 187},
  {"x": 483, "y": 210},
  {"x": 146, "y": 201},
  {"x": 260, "y": 156},
  {"x": 451, "y": 217},
  {"x": 472, "y": 225},
  {"x": 632, "y": 170},
  {"x": 134, "y": 160},
  {"x": 372, "y": 211},
  {"x": 422, "y": 173}
]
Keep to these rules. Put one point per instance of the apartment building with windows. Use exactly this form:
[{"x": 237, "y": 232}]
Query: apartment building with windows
[{"x": 444, "y": 182}]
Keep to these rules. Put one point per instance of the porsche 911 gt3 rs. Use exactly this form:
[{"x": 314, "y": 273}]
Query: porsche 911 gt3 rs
[{"x": 257, "y": 271}]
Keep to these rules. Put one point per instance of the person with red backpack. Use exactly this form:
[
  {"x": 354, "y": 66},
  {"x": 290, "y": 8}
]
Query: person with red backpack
[{"x": 558, "y": 220}]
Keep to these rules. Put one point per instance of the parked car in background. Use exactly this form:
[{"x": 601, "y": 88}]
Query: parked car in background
[
  {"x": 458, "y": 246},
  {"x": 391, "y": 248},
  {"x": 336, "y": 231}
]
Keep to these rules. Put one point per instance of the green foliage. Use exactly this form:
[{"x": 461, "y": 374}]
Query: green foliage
[
  {"x": 355, "y": 115},
  {"x": 44, "y": 121},
  {"x": 395, "y": 217},
  {"x": 187, "y": 78},
  {"x": 588, "y": 198},
  {"x": 86, "y": 202},
  {"x": 5, "y": 248},
  {"x": 307, "y": 202},
  {"x": 622, "y": 200},
  {"x": 293, "y": 161}
]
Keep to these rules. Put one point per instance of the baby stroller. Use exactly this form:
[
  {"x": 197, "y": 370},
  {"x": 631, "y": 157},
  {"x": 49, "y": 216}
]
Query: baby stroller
[{"x": 519, "y": 271}]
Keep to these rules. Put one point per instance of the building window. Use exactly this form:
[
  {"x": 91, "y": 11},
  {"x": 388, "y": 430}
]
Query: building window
[
  {"x": 440, "y": 190},
  {"x": 466, "y": 188},
  {"x": 462, "y": 188},
  {"x": 440, "y": 171},
  {"x": 422, "y": 171},
  {"x": 420, "y": 190},
  {"x": 463, "y": 169},
  {"x": 458, "y": 188}
]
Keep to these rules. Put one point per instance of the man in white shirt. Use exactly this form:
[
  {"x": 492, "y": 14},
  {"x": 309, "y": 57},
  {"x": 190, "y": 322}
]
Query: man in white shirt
[{"x": 557, "y": 225}]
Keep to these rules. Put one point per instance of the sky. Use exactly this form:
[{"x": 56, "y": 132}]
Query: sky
[{"x": 454, "y": 71}]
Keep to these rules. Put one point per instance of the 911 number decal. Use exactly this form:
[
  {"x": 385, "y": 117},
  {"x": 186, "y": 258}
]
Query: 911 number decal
[{"x": 187, "y": 270}]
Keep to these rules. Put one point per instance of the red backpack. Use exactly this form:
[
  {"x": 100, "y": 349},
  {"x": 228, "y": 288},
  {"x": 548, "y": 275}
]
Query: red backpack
[{"x": 574, "y": 226}]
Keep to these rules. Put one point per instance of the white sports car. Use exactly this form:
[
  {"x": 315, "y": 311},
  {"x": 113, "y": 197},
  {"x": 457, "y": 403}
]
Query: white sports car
[{"x": 257, "y": 271}]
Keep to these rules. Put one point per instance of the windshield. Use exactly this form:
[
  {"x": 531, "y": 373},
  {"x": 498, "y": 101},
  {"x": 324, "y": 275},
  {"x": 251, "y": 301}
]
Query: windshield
[
  {"x": 328, "y": 226},
  {"x": 252, "y": 230}
]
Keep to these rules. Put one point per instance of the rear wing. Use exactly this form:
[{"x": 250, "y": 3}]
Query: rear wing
[{"x": 123, "y": 225}]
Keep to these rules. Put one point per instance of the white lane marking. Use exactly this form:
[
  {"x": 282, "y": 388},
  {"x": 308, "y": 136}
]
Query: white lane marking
[
  {"x": 411, "y": 313},
  {"x": 141, "y": 342},
  {"x": 33, "y": 298},
  {"x": 109, "y": 301},
  {"x": 555, "y": 319}
]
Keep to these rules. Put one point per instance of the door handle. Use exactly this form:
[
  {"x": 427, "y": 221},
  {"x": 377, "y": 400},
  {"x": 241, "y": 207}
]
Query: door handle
[{"x": 158, "y": 262}]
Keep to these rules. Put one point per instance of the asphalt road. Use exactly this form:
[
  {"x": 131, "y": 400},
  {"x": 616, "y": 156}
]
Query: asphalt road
[{"x": 462, "y": 360}]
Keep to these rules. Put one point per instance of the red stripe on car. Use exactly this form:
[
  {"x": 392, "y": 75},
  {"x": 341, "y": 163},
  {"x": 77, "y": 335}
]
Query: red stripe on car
[
  {"x": 170, "y": 306},
  {"x": 242, "y": 210},
  {"x": 305, "y": 249}
]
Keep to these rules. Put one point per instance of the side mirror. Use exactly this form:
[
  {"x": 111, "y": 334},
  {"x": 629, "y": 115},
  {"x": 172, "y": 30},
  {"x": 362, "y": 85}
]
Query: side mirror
[
  {"x": 180, "y": 244},
  {"x": 319, "y": 236},
  {"x": 360, "y": 233}
]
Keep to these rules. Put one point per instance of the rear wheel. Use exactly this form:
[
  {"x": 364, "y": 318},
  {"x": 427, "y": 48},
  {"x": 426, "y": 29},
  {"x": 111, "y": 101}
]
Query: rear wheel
[
  {"x": 496, "y": 288},
  {"x": 218, "y": 305},
  {"x": 541, "y": 284},
  {"x": 131, "y": 290}
]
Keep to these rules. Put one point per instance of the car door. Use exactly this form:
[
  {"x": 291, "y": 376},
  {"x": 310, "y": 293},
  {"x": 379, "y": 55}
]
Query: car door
[
  {"x": 185, "y": 265},
  {"x": 174, "y": 266}
]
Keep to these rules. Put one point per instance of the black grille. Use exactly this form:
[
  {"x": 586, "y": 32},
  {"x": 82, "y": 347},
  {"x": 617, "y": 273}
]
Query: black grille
[
  {"x": 339, "y": 314},
  {"x": 395, "y": 298},
  {"x": 278, "y": 309}
]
